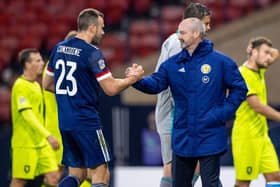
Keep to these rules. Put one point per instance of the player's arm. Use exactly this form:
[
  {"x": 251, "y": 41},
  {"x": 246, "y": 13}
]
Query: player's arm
[
  {"x": 163, "y": 55},
  {"x": 237, "y": 91},
  {"x": 274, "y": 55},
  {"x": 112, "y": 86},
  {"x": 265, "y": 110},
  {"x": 35, "y": 124},
  {"x": 154, "y": 83},
  {"x": 48, "y": 82}
]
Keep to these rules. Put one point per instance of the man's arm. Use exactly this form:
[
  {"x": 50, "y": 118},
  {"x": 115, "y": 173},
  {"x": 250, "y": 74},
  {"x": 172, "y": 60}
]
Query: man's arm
[
  {"x": 48, "y": 82},
  {"x": 35, "y": 124},
  {"x": 237, "y": 92},
  {"x": 274, "y": 55},
  {"x": 112, "y": 86},
  {"x": 155, "y": 83},
  {"x": 265, "y": 110}
]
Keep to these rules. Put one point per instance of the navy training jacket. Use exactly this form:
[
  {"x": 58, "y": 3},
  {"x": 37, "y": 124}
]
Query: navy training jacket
[{"x": 199, "y": 85}]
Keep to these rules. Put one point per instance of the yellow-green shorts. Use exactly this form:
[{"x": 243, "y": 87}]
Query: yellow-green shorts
[
  {"x": 27, "y": 163},
  {"x": 254, "y": 156},
  {"x": 86, "y": 183},
  {"x": 58, "y": 155},
  {"x": 59, "y": 152}
]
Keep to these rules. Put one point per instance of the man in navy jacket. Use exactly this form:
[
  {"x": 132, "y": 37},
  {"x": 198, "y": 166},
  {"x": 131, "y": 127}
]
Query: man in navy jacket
[{"x": 207, "y": 88}]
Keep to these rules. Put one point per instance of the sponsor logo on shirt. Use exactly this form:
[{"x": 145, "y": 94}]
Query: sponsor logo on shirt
[
  {"x": 182, "y": 70},
  {"x": 26, "y": 168},
  {"x": 249, "y": 170},
  {"x": 205, "y": 68},
  {"x": 205, "y": 79},
  {"x": 22, "y": 100},
  {"x": 101, "y": 64}
]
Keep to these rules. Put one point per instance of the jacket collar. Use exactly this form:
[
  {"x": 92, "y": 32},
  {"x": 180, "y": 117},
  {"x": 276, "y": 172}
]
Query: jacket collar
[{"x": 204, "y": 47}]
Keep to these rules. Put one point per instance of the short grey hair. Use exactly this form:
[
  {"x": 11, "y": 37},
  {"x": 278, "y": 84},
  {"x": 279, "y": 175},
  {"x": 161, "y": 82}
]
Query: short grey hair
[{"x": 197, "y": 26}]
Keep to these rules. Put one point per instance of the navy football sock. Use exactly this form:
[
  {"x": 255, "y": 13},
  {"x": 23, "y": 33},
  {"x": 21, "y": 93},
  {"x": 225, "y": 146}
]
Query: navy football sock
[
  {"x": 69, "y": 181},
  {"x": 99, "y": 185}
]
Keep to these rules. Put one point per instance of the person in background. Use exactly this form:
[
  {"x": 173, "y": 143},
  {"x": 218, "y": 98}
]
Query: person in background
[
  {"x": 207, "y": 89},
  {"x": 51, "y": 121},
  {"x": 77, "y": 73},
  {"x": 32, "y": 143},
  {"x": 51, "y": 116},
  {"x": 151, "y": 153},
  {"x": 165, "y": 105},
  {"x": 253, "y": 151}
]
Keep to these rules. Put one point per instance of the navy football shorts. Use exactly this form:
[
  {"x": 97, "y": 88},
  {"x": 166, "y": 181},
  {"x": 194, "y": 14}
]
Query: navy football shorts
[{"x": 84, "y": 148}]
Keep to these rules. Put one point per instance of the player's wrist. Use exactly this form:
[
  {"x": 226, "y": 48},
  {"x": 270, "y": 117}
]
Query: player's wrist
[{"x": 132, "y": 79}]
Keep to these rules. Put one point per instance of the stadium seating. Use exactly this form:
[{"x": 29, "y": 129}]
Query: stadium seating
[
  {"x": 30, "y": 41},
  {"x": 98, "y": 4},
  {"x": 240, "y": 8},
  {"x": 5, "y": 97},
  {"x": 114, "y": 10},
  {"x": 141, "y": 7},
  {"x": 170, "y": 17},
  {"x": 114, "y": 49},
  {"x": 5, "y": 57},
  {"x": 50, "y": 20},
  {"x": 144, "y": 37},
  {"x": 9, "y": 42},
  {"x": 218, "y": 12}
]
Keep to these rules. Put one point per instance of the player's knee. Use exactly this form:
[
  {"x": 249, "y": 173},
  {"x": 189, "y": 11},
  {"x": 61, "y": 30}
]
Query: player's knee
[
  {"x": 80, "y": 176},
  {"x": 52, "y": 178},
  {"x": 18, "y": 183},
  {"x": 103, "y": 177},
  {"x": 242, "y": 183},
  {"x": 100, "y": 175},
  {"x": 78, "y": 173},
  {"x": 272, "y": 177},
  {"x": 277, "y": 176},
  {"x": 106, "y": 176}
]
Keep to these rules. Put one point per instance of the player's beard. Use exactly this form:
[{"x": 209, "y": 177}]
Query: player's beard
[
  {"x": 262, "y": 65},
  {"x": 185, "y": 45},
  {"x": 96, "y": 40}
]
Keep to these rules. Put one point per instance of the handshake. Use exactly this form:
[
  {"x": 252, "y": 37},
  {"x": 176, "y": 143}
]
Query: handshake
[{"x": 136, "y": 71}]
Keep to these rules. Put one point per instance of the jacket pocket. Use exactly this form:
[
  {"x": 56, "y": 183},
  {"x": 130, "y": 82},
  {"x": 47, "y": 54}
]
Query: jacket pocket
[{"x": 211, "y": 119}]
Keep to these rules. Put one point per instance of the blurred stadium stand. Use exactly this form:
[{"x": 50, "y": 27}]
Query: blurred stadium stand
[
  {"x": 134, "y": 33},
  {"x": 42, "y": 23}
]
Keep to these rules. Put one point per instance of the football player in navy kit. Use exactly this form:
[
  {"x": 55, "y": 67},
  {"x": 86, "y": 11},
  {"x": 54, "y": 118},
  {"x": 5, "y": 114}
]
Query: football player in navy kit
[{"x": 77, "y": 72}]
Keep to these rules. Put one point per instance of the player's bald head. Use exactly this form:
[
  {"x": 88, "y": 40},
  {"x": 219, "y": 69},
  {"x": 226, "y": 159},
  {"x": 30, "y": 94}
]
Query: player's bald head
[{"x": 192, "y": 24}]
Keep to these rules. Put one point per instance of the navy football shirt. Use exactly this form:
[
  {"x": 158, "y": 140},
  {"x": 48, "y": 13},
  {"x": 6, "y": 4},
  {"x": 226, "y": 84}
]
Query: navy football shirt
[{"x": 77, "y": 67}]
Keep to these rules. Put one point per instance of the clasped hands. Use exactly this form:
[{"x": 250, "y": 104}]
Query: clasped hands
[{"x": 136, "y": 71}]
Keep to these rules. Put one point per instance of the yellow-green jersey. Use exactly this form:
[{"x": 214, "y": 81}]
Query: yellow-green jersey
[
  {"x": 51, "y": 120},
  {"x": 51, "y": 115},
  {"x": 249, "y": 123},
  {"x": 28, "y": 130}
]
